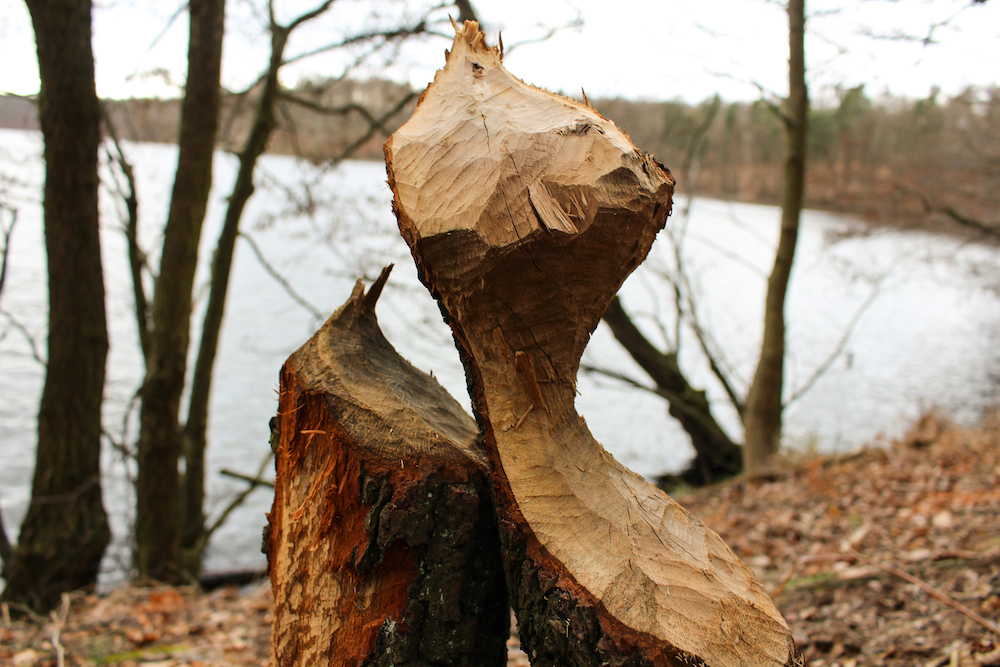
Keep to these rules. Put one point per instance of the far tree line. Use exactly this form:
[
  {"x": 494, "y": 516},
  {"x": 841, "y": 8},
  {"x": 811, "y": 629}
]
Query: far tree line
[{"x": 868, "y": 154}]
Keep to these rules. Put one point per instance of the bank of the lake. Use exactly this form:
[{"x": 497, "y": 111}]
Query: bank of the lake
[{"x": 927, "y": 338}]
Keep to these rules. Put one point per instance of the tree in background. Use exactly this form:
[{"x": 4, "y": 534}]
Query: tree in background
[
  {"x": 65, "y": 531},
  {"x": 864, "y": 158},
  {"x": 171, "y": 531},
  {"x": 716, "y": 455},
  {"x": 157, "y": 530},
  {"x": 195, "y": 532},
  {"x": 763, "y": 409}
]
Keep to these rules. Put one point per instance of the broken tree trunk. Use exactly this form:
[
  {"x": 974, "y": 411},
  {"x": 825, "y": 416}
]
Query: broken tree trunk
[
  {"x": 381, "y": 543},
  {"x": 524, "y": 212}
]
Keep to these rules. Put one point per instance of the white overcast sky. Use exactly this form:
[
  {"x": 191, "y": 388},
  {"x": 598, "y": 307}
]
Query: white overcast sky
[{"x": 650, "y": 49}]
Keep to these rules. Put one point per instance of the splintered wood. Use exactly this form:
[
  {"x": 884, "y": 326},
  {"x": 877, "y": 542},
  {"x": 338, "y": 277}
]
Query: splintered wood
[
  {"x": 524, "y": 212},
  {"x": 382, "y": 547}
]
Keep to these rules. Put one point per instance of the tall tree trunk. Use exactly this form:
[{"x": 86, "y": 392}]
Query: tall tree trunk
[
  {"x": 382, "y": 545},
  {"x": 524, "y": 212},
  {"x": 158, "y": 511},
  {"x": 196, "y": 426},
  {"x": 762, "y": 416},
  {"x": 65, "y": 531}
]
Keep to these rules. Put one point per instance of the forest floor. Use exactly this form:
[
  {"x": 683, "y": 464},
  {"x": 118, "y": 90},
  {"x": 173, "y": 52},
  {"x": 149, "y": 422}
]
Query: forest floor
[{"x": 889, "y": 556}]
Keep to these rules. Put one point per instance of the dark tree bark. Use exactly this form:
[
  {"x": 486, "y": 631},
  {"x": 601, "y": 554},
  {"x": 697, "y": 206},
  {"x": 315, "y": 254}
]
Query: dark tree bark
[
  {"x": 466, "y": 12},
  {"x": 524, "y": 212},
  {"x": 158, "y": 510},
  {"x": 382, "y": 545},
  {"x": 195, "y": 536},
  {"x": 65, "y": 531},
  {"x": 762, "y": 415},
  {"x": 716, "y": 455},
  {"x": 196, "y": 426}
]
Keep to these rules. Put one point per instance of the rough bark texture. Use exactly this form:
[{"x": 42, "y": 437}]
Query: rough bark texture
[
  {"x": 65, "y": 531},
  {"x": 524, "y": 212},
  {"x": 762, "y": 416},
  {"x": 716, "y": 456},
  {"x": 382, "y": 544},
  {"x": 158, "y": 507}
]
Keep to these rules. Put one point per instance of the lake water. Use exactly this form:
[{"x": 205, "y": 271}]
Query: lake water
[{"x": 929, "y": 338}]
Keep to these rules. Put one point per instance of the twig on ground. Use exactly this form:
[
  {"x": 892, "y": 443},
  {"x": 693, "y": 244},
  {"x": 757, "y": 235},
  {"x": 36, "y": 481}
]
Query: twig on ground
[
  {"x": 930, "y": 590},
  {"x": 56, "y": 627}
]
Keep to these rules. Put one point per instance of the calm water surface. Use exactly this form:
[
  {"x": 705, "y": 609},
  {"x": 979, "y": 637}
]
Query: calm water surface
[{"x": 929, "y": 338}]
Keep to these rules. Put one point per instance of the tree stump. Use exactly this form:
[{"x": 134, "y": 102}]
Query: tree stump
[
  {"x": 524, "y": 212},
  {"x": 382, "y": 544}
]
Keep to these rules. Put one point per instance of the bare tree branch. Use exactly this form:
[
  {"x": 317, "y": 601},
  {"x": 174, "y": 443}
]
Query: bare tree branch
[
  {"x": 32, "y": 343},
  {"x": 136, "y": 257},
  {"x": 338, "y": 110},
  {"x": 298, "y": 298},
  {"x": 962, "y": 219},
  {"x": 838, "y": 349},
  {"x": 621, "y": 377},
  {"x": 378, "y": 126},
  {"x": 926, "y": 40},
  {"x": 573, "y": 23},
  {"x": 6, "y": 230},
  {"x": 308, "y": 16},
  {"x": 257, "y": 481},
  {"x": 183, "y": 7},
  {"x": 388, "y": 35},
  {"x": 681, "y": 402},
  {"x": 254, "y": 482},
  {"x": 717, "y": 367}
]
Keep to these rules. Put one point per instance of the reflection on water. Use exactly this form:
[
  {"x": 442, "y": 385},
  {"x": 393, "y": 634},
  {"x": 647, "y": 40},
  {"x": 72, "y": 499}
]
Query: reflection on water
[{"x": 928, "y": 337}]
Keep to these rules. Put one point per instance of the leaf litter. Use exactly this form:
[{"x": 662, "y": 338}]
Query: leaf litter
[{"x": 888, "y": 556}]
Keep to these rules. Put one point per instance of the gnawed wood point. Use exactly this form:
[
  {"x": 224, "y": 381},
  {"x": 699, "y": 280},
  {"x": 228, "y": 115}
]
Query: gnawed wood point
[
  {"x": 525, "y": 211},
  {"x": 382, "y": 547}
]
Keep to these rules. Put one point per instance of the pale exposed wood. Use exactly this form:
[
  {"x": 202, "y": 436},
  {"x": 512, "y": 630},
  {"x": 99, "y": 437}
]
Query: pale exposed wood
[
  {"x": 525, "y": 211},
  {"x": 382, "y": 548}
]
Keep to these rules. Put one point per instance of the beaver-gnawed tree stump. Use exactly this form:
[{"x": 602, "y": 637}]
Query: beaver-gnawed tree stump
[
  {"x": 524, "y": 212},
  {"x": 382, "y": 544}
]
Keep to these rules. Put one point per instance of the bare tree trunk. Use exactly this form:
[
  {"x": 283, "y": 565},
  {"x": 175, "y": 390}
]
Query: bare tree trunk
[
  {"x": 158, "y": 510},
  {"x": 65, "y": 531},
  {"x": 524, "y": 212},
  {"x": 382, "y": 545},
  {"x": 716, "y": 455},
  {"x": 196, "y": 427},
  {"x": 195, "y": 535},
  {"x": 762, "y": 416}
]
